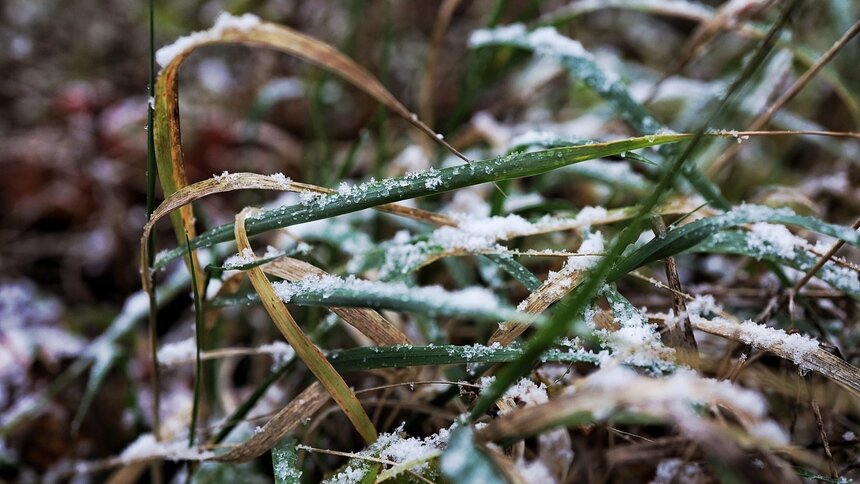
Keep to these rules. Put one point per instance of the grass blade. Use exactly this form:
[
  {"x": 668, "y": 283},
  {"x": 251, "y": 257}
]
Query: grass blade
[
  {"x": 330, "y": 291},
  {"x": 304, "y": 347}
]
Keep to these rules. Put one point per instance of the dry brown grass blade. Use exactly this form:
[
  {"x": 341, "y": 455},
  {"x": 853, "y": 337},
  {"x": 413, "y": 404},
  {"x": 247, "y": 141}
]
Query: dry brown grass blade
[
  {"x": 368, "y": 321},
  {"x": 304, "y": 406},
  {"x": 820, "y": 361},
  {"x": 549, "y": 292},
  {"x": 303, "y": 346}
]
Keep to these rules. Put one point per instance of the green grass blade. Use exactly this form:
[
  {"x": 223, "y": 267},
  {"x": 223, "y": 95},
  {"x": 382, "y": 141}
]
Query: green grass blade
[
  {"x": 405, "y": 356},
  {"x": 198, "y": 334},
  {"x": 390, "y": 190},
  {"x": 330, "y": 291},
  {"x": 516, "y": 270}
]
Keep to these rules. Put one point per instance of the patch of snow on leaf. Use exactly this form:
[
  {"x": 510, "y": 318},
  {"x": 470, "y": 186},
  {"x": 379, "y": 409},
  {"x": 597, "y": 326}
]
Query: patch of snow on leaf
[
  {"x": 284, "y": 181},
  {"x": 224, "y": 22},
  {"x": 767, "y": 237},
  {"x": 527, "y": 392},
  {"x": 146, "y": 447},
  {"x": 796, "y": 346},
  {"x": 238, "y": 260}
]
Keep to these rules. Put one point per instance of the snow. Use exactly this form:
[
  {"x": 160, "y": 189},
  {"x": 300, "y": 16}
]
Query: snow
[
  {"x": 547, "y": 40},
  {"x": 593, "y": 244},
  {"x": 676, "y": 470},
  {"x": 517, "y": 201},
  {"x": 146, "y": 447},
  {"x": 796, "y": 346},
  {"x": 284, "y": 181},
  {"x": 778, "y": 239},
  {"x": 280, "y": 89},
  {"x": 469, "y": 299},
  {"x": 703, "y": 305},
  {"x": 241, "y": 259},
  {"x": 589, "y": 215},
  {"x": 544, "y": 39},
  {"x": 226, "y": 177},
  {"x": 178, "y": 352},
  {"x": 849, "y": 436},
  {"x": 223, "y": 23},
  {"x": 636, "y": 342},
  {"x": 535, "y": 471},
  {"x": 505, "y": 33}
]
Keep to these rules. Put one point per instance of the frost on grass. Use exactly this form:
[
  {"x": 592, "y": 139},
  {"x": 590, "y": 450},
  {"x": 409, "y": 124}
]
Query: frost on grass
[
  {"x": 395, "y": 447},
  {"x": 702, "y": 305},
  {"x": 636, "y": 341},
  {"x": 284, "y": 181},
  {"x": 223, "y": 23},
  {"x": 470, "y": 300},
  {"x": 226, "y": 177},
  {"x": 793, "y": 346}
]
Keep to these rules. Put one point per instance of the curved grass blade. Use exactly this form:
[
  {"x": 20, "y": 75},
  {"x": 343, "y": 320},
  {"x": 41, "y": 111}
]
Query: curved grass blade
[
  {"x": 680, "y": 239},
  {"x": 248, "y": 29},
  {"x": 304, "y": 347},
  {"x": 369, "y": 195}
]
